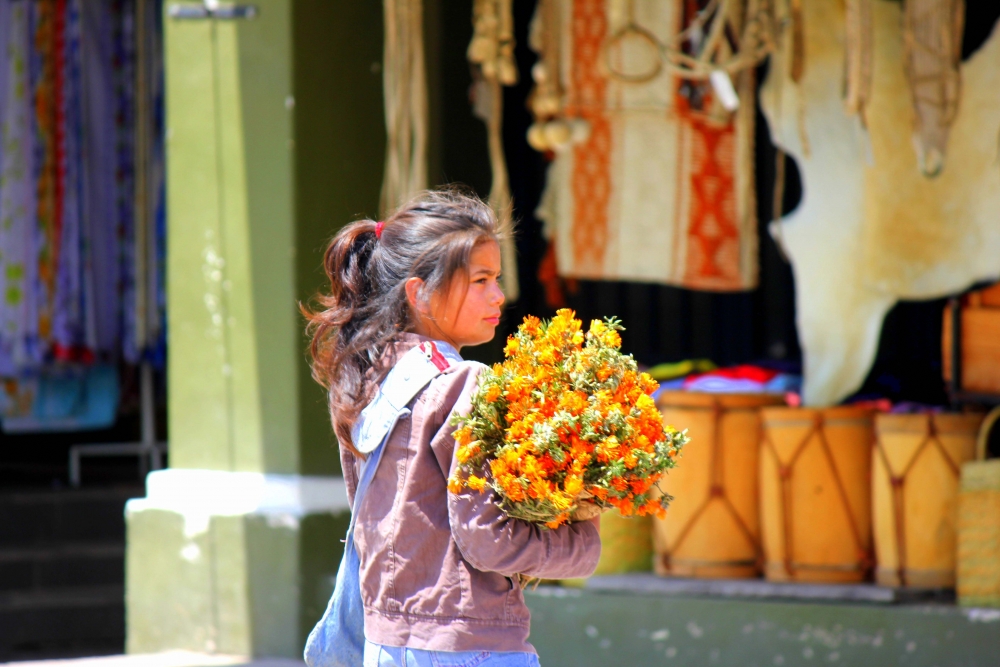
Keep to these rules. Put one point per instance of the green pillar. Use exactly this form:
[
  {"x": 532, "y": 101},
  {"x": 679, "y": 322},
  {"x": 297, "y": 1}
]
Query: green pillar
[{"x": 274, "y": 139}]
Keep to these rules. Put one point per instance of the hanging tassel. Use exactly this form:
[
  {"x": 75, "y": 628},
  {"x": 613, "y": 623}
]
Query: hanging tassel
[
  {"x": 404, "y": 86},
  {"x": 860, "y": 45},
  {"x": 932, "y": 37},
  {"x": 492, "y": 51}
]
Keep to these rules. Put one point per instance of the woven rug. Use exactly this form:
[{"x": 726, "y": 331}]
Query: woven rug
[{"x": 659, "y": 191}]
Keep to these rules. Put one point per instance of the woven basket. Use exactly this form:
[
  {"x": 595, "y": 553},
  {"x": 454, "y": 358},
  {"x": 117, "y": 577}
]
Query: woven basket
[{"x": 979, "y": 527}]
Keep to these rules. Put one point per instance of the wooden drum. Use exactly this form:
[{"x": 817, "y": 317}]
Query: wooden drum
[
  {"x": 915, "y": 477},
  {"x": 712, "y": 528},
  {"x": 815, "y": 485}
]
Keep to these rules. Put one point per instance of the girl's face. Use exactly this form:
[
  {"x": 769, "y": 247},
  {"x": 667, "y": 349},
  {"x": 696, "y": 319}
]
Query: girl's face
[{"x": 467, "y": 311}]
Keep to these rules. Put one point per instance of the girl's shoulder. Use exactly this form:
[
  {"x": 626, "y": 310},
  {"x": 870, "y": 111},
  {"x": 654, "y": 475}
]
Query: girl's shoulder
[{"x": 453, "y": 388}]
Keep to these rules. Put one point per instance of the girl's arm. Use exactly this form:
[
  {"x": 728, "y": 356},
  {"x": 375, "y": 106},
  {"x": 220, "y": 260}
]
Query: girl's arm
[
  {"x": 488, "y": 539},
  {"x": 493, "y": 542}
]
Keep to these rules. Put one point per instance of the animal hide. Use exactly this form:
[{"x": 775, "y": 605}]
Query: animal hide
[
  {"x": 655, "y": 190},
  {"x": 871, "y": 229}
]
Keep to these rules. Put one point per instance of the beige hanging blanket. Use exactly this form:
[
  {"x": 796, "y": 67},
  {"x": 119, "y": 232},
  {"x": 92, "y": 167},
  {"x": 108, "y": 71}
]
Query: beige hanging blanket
[
  {"x": 651, "y": 188},
  {"x": 871, "y": 228}
]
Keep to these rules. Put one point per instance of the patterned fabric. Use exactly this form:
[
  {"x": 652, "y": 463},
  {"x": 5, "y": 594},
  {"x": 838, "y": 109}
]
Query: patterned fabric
[
  {"x": 662, "y": 189},
  {"x": 19, "y": 286},
  {"x": 69, "y": 264}
]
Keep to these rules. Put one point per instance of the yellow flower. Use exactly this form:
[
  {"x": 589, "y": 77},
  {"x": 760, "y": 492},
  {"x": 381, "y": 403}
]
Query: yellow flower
[
  {"x": 466, "y": 452},
  {"x": 476, "y": 483},
  {"x": 573, "y": 485},
  {"x": 454, "y": 484},
  {"x": 562, "y": 501}
]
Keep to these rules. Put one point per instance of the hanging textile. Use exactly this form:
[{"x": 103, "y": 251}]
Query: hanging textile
[
  {"x": 652, "y": 178},
  {"x": 871, "y": 229},
  {"x": 80, "y": 269},
  {"x": 20, "y": 335},
  {"x": 404, "y": 86}
]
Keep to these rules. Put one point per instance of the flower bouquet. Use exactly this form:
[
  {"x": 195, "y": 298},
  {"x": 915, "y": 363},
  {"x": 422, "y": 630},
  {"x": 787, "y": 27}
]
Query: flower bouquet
[{"x": 565, "y": 420}]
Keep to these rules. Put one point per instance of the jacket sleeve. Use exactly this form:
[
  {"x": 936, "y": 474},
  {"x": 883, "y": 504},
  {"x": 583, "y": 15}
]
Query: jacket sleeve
[{"x": 491, "y": 541}]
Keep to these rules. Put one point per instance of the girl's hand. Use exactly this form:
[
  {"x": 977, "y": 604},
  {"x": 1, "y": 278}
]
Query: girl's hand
[{"x": 586, "y": 510}]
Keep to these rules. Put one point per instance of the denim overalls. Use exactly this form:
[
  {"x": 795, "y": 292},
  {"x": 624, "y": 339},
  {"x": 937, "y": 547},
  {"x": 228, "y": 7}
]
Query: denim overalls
[{"x": 338, "y": 639}]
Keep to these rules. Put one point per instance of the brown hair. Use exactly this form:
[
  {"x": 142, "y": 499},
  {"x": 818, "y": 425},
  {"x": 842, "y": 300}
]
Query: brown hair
[{"x": 432, "y": 238}]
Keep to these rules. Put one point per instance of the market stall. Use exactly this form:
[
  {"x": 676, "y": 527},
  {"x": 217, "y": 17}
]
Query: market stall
[
  {"x": 82, "y": 239},
  {"x": 875, "y": 157}
]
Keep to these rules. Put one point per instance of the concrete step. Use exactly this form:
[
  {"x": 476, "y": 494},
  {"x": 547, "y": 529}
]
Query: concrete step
[
  {"x": 66, "y": 620},
  {"x": 34, "y": 518},
  {"x": 61, "y": 566}
]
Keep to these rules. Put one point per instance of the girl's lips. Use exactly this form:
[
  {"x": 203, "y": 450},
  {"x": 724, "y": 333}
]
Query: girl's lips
[{"x": 493, "y": 320}]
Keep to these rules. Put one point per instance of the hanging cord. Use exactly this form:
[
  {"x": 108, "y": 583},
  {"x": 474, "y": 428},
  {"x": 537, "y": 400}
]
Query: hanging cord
[
  {"x": 492, "y": 52},
  {"x": 740, "y": 34},
  {"x": 404, "y": 87}
]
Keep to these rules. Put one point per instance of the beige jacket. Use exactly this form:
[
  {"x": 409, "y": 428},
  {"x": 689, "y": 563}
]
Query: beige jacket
[{"x": 439, "y": 570}]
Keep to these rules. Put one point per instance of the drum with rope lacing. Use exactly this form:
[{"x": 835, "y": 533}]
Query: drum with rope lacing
[
  {"x": 712, "y": 529},
  {"x": 815, "y": 484},
  {"x": 915, "y": 475}
]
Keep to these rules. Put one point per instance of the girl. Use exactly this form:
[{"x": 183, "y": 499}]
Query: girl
[{"x": 438, "y": 572}]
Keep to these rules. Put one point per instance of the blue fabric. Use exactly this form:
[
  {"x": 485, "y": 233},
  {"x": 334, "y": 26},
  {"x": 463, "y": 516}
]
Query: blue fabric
[
  {"x": 338, "y": 640},
  {"x": 393, "y": 656},
  {"x": 61, "y": 399}
]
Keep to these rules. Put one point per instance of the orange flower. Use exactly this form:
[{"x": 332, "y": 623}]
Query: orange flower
[
  {"x": 630, "y": 460},
  {"x": 493, "y": 393},
  {"x": 512, "y": 346},
  {"x": 466, "y": 452}
]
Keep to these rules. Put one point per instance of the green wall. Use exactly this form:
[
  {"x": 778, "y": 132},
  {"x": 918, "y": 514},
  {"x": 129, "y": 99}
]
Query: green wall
[
  {"x": 339, "y": 152},
  {"x": 275, "y": 139}
]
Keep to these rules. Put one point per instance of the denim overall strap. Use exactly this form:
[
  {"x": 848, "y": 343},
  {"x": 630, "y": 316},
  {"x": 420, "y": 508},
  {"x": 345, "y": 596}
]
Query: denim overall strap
[{"x": 338, "y": 639}]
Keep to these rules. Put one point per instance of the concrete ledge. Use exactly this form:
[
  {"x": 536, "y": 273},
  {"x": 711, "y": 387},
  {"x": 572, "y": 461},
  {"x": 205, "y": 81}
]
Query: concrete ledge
[
  {"x": 165, "y": 659},
  {"x": 588, "y": 627},
  {"x": 651, "y": 584},
  {"x": 222, "y": 492}
]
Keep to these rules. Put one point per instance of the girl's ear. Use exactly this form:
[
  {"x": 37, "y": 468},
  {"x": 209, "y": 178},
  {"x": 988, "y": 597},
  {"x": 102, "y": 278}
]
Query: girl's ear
[{"x": 414, "y": 287}]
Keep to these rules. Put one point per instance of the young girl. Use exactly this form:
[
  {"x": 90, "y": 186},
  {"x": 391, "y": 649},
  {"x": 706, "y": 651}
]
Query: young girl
[{"x": 438, "y": 572}]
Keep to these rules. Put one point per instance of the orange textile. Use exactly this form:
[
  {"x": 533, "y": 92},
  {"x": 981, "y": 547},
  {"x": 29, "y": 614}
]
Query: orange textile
[{"x": 658, "y": 190}]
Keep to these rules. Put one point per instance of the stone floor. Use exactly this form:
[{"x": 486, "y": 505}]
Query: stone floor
[{"x": 166, "y": 659}]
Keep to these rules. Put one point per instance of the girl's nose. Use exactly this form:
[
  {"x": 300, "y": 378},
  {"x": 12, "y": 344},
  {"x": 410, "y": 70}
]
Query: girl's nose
[{"x": 498, "y": 295}]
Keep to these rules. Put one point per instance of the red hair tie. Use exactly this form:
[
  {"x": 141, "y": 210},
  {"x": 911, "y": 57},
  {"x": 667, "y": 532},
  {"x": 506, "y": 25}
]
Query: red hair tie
[{"x": 378, "y": 229}]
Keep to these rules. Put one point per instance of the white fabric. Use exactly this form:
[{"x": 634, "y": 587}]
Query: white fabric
[{"x": 871, "y": 229}]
